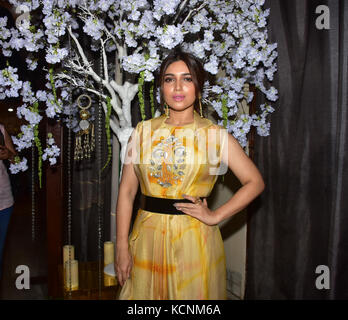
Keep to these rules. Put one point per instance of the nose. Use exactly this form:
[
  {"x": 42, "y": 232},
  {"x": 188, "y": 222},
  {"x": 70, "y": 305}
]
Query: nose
[{"x": 178, "y": 85}]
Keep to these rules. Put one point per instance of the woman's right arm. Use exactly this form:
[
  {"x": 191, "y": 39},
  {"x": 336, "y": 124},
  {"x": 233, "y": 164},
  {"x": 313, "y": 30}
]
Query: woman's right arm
[{"x": 127, "y": 192}]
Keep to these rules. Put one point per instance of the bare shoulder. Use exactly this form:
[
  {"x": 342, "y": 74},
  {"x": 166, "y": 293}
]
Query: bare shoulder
[{"x": 226, "y": 138}]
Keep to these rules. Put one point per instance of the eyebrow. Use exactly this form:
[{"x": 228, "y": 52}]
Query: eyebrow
[{"x": 181, "y": 74}]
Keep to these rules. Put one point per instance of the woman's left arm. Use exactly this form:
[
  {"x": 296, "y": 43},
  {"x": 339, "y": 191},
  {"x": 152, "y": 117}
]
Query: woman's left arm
[
  {"x": 248, "y": 175},
  {"x": 250, "y": 178}
]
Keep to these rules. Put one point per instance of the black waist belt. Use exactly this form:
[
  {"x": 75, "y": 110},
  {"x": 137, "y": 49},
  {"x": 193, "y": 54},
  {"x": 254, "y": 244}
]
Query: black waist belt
[{"x": 161, "y": 205}]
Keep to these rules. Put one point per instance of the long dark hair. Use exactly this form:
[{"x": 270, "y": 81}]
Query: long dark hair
[{"x": 194, "y": 65}]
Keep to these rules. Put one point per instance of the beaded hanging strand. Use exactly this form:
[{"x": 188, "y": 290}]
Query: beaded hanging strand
[
  {"x": 69, "y": 181},
  {"x": 99, "y": 166},
  {"x": 33, "y": 192}
]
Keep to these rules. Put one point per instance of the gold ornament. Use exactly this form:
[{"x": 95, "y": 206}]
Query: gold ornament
[
  {"x": 84, "y": 142},
  {"x": 167, "y": 110},
  {"x": 200, "y": 105},
  {"x": 168, "y": 161}
]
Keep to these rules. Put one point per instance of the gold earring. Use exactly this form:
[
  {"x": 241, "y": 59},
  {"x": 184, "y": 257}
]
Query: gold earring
[
  {"x": 167, "y": 110},
  {"x": 200, "y": 106}
]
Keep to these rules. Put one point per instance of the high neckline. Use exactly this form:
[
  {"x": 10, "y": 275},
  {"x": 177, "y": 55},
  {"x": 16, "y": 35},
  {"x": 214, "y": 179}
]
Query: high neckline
[
  {"x": 198, "y": 122},
  {"x": 178, "y": 125},
  {"x": 181, "y": 125}
]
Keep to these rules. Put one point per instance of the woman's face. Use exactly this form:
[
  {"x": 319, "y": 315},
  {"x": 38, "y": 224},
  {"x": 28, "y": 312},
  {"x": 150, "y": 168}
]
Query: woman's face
[{"x": 178, "y": 88}]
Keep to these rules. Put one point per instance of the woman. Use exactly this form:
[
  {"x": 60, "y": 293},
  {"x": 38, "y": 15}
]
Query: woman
[
  {"x": 7, "y": 152},
  {"x": 175, "y": 250}
]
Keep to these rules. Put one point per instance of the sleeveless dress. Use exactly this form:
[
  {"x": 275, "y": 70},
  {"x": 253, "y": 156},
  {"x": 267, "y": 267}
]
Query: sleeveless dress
[{"x": 175, "y": 257}]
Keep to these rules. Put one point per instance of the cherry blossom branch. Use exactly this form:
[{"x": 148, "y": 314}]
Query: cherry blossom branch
[
  {"x": 111, "y": 36},
  {"x": 105, "y": 59},
  {"x": 180, "y": 9},
  {"x": 88, "y": 66},
  {"x": 194, "y": 11},
  {"x": 123, "y": 113},
  {"x": 89, "y": 71},
  {"x": 74, "y": 82}
]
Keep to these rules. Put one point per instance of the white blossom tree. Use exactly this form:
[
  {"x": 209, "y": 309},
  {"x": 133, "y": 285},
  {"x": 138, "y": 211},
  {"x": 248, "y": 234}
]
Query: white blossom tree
[{"x": 132, "y": 37}]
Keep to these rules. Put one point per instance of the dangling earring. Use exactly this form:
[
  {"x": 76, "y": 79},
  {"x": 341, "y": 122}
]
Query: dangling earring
[
  {"x": 200, "y": 105},
  {"x": 167, "y": 110}
]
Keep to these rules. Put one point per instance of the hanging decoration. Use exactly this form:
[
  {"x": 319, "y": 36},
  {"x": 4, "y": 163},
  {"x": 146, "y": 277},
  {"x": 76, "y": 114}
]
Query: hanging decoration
[
  {"x": 32, "y": 193},
  {"x": 152, "y": 99},
  {"x": 107, "y": 130},
  {"x": 35, "y": 109},
  {"x": 99, "y": 164},
  {"x": 141, "y": 81},
  {"x": 84, "y": 142},
  {"x": 68, "y": 259},
  {"x": 198, "y": 26}
]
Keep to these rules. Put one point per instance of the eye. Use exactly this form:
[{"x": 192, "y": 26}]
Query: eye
[
  {"x": 168, "y": 79},
  {"x": 188, "y": 79}
]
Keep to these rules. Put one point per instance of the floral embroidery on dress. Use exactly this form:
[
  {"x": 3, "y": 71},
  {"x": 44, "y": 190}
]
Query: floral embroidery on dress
[{"x": 168, "y": 161}]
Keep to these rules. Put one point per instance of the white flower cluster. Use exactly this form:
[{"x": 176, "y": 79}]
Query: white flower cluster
[
  {"x": 4, "y": 35},
  {"x": 55, "y": 24},
  {"x": 94, "y": 28},
  {"x": 19, "y": 166},
  {"x": 169, "y": 36},
  {"x": 164, "y": 7},
  {"x": 136, "y": 63},
  {"x": 51, "y": 152},
  {"x": 30, "y": 4},
  {"x": 230, "y": 37},
  {"x": 239, "y": 128},
  {"x": 27, "y": 93},
  {"x": 30, "y": 39},
  {"x": 9, "y": 83},
  {"x": 32, "y": 117},
  {"x": 31, "y": 63},
  {"x": 259, "y": 121},
  {"x": 55, "y": 55},
  {"x": 53, "y": 106},
  {"x": 212, "y": 65},
  {"x": 25, "y": 138}
]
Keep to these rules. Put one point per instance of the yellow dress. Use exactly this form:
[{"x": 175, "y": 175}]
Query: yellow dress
[{"x": 175, "y": 257}]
